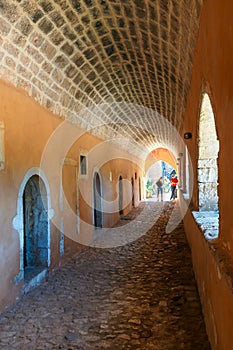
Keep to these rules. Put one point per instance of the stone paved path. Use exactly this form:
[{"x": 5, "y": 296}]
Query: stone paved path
[{"x": 137, "y": 296}]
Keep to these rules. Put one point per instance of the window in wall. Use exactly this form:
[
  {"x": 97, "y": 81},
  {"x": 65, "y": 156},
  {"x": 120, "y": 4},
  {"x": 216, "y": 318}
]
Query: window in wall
[
  {"x": 83, "y": 165},
  {"x": 208, "y": 146},
  {"x": 187, "y": 172}
]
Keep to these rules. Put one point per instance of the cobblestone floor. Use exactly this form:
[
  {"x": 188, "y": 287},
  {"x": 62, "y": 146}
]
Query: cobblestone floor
[{"x": 138, "y": 296}]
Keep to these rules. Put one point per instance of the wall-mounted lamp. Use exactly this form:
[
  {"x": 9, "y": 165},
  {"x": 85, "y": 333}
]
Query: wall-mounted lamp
[{"x": 187, "y": 135}]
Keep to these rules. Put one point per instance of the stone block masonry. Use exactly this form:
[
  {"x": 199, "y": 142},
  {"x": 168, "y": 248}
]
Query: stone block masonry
[{"x": 100, "y": 51}]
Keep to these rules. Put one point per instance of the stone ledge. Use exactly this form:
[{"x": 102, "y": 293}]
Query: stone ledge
[{"x": 208, "y": 223}]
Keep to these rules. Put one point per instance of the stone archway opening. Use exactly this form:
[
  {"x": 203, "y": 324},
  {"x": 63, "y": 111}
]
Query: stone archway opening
[
  {"x": 159, "y": 163},
  {"x": 157, "y": 170},
  {"x": 208, "y": 147},
  {"x": 35, "y": 224}
]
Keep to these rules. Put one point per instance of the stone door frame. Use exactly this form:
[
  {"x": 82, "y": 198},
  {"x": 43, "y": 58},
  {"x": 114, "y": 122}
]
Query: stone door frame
[
  {"x": 18, "y": 220},
  {"x": 95, "y": 173}
]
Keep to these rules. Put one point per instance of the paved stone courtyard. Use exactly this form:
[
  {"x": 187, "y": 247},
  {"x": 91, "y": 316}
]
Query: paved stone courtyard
[{"x": 137, "y": 296}]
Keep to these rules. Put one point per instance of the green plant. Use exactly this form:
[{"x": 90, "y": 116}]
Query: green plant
[{"x": 149, "y": 188}]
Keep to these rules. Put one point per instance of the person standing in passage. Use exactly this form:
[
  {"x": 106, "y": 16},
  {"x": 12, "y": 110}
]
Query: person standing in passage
[
  {"x": 159, "y": 184},
  {"x": 174, "y": 182}
]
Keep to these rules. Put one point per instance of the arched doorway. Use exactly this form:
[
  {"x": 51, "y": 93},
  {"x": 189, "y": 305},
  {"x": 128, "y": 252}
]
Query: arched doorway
[
  {"x": 120, "y": 195},
  {"x": 132, "y": 184},
  {"x": 140, "y": 189},
  {"x": 97, "y": 190},
  {"x": 35, "y": 223}
]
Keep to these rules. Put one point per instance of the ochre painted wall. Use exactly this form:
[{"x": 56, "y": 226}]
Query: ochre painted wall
[
  {"x": 27, "y": 127},
  {"x": 213, "y": 73},
  {"x": 29, "y": 133}
]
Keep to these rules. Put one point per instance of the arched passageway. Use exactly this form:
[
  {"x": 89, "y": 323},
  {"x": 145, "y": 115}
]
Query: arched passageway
[
  {"x": 35, "y": 213},
  {"x": 157, "y": 170}
]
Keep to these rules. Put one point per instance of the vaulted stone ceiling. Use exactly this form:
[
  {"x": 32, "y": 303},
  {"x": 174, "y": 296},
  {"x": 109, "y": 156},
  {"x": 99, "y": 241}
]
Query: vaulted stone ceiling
[{"x": 116, "y": 67}]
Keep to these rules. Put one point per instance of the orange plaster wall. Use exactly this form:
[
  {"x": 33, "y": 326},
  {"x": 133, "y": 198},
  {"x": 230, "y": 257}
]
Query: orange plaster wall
[
  {"x": 120, "y": 167},
  {"x": 214, "y": 290},
  {"x": 104, "y": 158},
  {"x": 28, "y": 128},
  {"x": 213, "y": 73}
]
